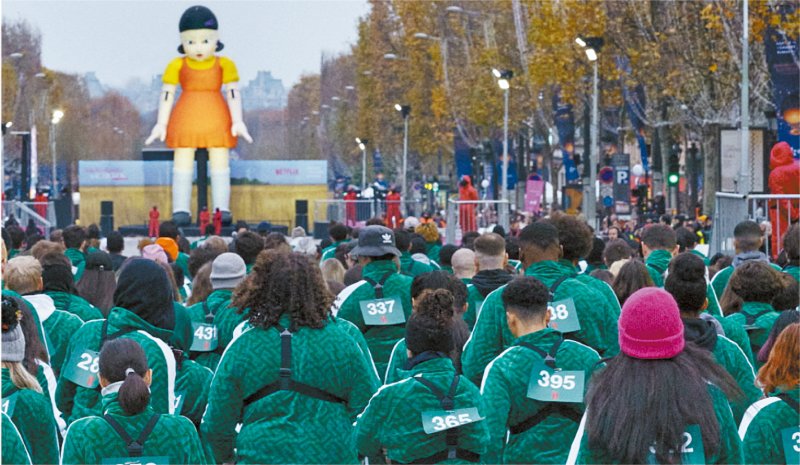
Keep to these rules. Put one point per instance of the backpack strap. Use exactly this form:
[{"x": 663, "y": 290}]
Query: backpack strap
[
  {"x": 751, "y": 319},
  {"x": 378, "y": 286},
  {"x": 549, "y": 356},
  {"x": 558, "y": 283},
  {"x": 135, "y": 448},
  {"x": 447, "y": 402},
  {"x": 550, "y": 409},
  {"x": 207, "y": 312},
  {"x": 285, "y": 381},
  {"x": 788, "y": 399}
]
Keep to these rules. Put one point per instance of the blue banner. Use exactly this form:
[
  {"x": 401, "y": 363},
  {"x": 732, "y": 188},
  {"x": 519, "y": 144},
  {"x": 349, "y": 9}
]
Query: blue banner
[
  {"x": 782, "y": 59},
  {"x": 462, "y": 155},
  {"x": 635, "y": 107},
  {"x": 565, "y": 125}
]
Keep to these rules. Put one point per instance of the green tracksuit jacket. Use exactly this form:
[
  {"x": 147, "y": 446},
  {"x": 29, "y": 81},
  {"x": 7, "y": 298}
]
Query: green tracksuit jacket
[
  {"x": 657, "y": 265},
  {"x": 192, "y": 385},
  {"x": 474, "y": 301},
  {"x": 505, "y": 395},
  {"x": 598, "y": 320},
  {"x": 763, "y": 428},
  {"x": 728, "y": 354},
  {"x": 596, "y": 284},
  {"x": 730, "y": 446},
  {"x": 183, "y": 263},
  {"x": 720, "y": 280},
  {"x": 13, "y": 448},
  {"x": 330, "y": 251},
  {"x": 225, "y": 318},
  {"x": 59, "y": 327},
  {"x": 76, "y": 305},
  {"x": 793, "y": 271},
  {"x": 411, "y": 267},
  {"x": 32, "y": 414},
  {"x": 92, "y": 439},
  {"x": 77, "y": 401},
  {"x": 78, "y": 260},
  {"x": 700, "y": 254},
  {"x": 432, "y": 250},
  {"x": 393, "y": 418},
  {"x": 759, "y": 330},
  {"x": 287, "y": 426},
  {"x": 380, "y": 339},
  {"x": 395, "y": 369}
]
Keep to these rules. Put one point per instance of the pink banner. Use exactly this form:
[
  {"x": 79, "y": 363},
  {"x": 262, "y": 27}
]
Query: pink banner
[{"x": 534, "y": 189}]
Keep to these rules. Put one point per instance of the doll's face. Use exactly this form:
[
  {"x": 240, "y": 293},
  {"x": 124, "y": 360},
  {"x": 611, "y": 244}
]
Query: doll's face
[{"x": 199, "y": 44}]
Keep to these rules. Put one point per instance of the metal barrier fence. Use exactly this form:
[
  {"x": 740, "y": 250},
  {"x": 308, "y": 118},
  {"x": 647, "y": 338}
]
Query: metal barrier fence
[
  {"x": 473, "y": 215},
  {"x": 43, "y": 214},
  {"x": 357, "y": 212},
  {"x": 731, "y": 209}
]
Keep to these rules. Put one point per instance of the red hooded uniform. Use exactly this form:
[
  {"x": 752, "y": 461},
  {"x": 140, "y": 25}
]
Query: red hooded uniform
[
  {"x": 152, "y": 229},
  {"x": 350, "y": 207},
  {"x": 204, "y": 220},
  {"x": 393, "y": 216},
  {"x": 466, "y": 212},
  {"x": 784, "y": 178},
  {"x": 217, "y": 222}
]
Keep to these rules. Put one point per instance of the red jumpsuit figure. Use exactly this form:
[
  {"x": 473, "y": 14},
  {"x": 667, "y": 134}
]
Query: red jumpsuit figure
[
  {"x": 350, "y": 206},
  {"x": 466, "y": 212},
  {"x": 205, "y": 217},
  {"x": 393, "y": 216},
  {"x": 41, "y": 204},
  {"x": 217, "y": 222},
  {"x": 783, "y": 179},
  {"x": 152, "y": 229}
]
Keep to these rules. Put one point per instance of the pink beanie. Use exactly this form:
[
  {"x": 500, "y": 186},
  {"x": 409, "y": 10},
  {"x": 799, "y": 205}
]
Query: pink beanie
[
  {"x": 155, "y": 252},
  {"x": 650, "y": 326}
]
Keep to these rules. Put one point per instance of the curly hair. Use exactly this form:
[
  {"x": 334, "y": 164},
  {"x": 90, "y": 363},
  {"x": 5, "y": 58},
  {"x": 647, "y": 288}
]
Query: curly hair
[
  {"x": 574, "y": 235},
  {"x": 428, "y": 231},
  {"x": 756, "y": 281},
  {"x": 282, "y": 282},
  {"x": 430, "y": 327}
]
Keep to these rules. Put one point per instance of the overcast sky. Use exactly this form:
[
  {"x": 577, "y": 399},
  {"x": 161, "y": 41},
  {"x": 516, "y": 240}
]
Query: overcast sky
[{"x": 123, "y": 39}]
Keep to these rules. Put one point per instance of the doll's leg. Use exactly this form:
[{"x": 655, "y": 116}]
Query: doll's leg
[
  {"x": 182, "y": 172},
  {"x": 220, "y": 174}
]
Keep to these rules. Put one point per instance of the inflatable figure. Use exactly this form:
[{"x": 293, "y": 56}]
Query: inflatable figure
[
  {"x": 202, "y": 118},
  {"x": 784, "y": 178}
]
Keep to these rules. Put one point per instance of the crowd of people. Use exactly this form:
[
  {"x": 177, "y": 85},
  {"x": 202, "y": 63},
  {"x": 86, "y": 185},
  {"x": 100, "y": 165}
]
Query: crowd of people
[{"x": 378, "y": 345}]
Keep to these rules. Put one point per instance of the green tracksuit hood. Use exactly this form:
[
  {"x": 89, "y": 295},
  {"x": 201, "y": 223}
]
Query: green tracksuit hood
[
  {"x": 411, "y": 267},
  {"x": 76, "y": 305},
  {"x": 78, "y": 260},
  {"x": 122, "y": 318},
  {"x": 33, "y": 416},
  {"x": 657, "y": 264}
]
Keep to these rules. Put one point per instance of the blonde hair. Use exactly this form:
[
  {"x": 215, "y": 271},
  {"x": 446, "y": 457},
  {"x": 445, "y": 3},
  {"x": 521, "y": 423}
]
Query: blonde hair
[
  {"x": 332, "y": 270},
  {"x": 21, "y": 378},
  {"x": 23, "y": 274}
]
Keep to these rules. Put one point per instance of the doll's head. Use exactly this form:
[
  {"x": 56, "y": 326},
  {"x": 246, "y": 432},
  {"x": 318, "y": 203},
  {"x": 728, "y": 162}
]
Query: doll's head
[{"x": 199, "y": 35}]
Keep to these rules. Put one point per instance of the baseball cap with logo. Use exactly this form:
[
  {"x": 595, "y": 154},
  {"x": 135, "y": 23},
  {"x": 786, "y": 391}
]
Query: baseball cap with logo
[{"x": 375, "y": 241}]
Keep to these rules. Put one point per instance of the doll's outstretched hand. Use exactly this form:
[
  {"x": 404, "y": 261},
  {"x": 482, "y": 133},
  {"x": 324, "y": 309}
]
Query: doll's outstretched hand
[
  {"x": 238, "y": 129},
  {"x": 159, "y": 132}
]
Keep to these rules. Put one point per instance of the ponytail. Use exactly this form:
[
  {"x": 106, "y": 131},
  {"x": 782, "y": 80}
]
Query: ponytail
[{"x": 123, "y": 360}]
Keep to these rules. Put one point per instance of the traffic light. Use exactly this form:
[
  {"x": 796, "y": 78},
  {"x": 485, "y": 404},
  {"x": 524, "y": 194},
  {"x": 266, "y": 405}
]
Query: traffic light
[{"x": 673, "y": 171}]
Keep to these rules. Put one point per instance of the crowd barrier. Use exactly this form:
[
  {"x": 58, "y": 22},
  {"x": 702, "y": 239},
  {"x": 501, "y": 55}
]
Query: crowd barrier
[
  {"x": 731, "y": 209},
  {"x": 43, "y": 214},
  {"x": 473, "y": 215}
]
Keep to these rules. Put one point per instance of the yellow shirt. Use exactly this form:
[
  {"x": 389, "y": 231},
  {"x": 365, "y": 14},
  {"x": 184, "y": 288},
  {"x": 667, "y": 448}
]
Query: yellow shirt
[{"x": 173, "y": 71}]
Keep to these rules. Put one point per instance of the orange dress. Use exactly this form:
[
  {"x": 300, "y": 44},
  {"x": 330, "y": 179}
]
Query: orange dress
[{"x": 201, "y": 118}]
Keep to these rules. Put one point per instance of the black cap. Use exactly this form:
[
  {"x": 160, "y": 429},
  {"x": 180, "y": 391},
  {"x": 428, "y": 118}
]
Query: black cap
[
  {"x": 197, "y": 17},
  {"x": 375, "y": 241}
]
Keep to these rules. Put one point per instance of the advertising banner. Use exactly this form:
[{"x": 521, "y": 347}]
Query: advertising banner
[
  {"x": 565, "y": 125},
  {"x": 571, "y": 198},
  {"x": 159, "y": 173},
  {"x": 534, "y": 189},
  {"x": 783, "y": 60}
]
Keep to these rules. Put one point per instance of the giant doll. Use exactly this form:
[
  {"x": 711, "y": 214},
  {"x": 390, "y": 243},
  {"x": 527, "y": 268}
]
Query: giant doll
[{"x": 202, "y": 118}]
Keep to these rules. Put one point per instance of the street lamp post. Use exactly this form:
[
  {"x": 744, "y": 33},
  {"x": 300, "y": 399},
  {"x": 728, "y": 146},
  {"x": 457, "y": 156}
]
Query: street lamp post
[
  {"x": 404, "y": 110},
  {"x": 57, "y": 115},
  {"x": 592, "y": 46},
  {"x": 503, "y": 78},
  {"x": 362, "y": 144}
]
